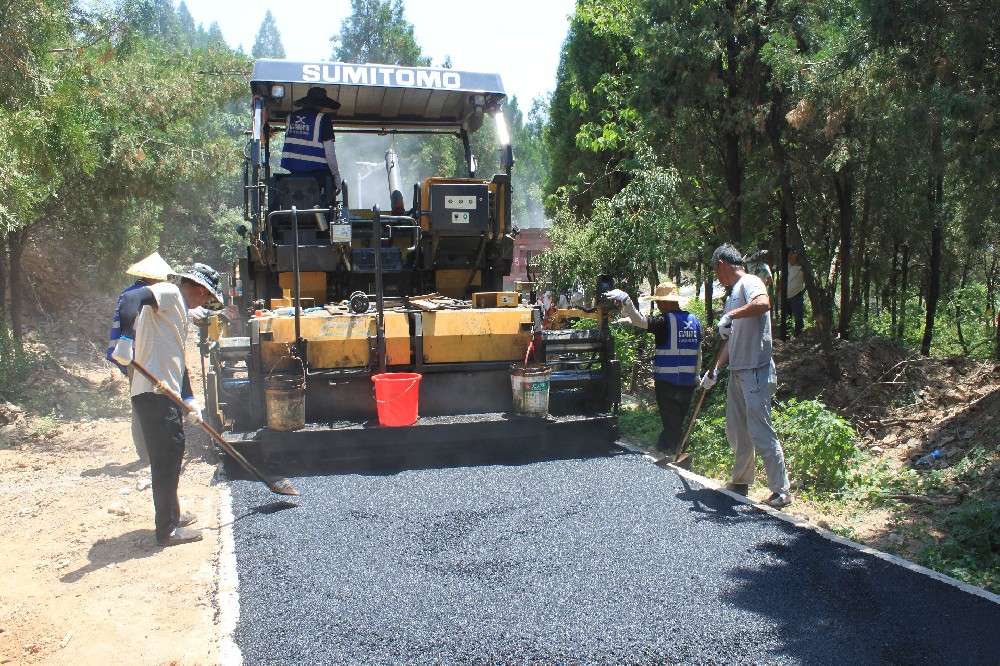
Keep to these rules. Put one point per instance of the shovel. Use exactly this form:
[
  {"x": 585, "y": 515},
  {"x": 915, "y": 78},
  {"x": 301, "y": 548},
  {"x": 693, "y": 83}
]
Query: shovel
[
  {"x": 277, "y": 484},
  {"x": 681, "y": 458}
]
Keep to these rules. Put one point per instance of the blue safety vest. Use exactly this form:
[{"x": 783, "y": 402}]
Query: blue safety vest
[
  {"x": 303, "y": 149},
  {"x": 677, "y": 353}
]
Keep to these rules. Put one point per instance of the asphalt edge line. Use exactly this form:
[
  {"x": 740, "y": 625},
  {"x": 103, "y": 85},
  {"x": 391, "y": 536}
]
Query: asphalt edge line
[
  {"x": 228, "y": 597},
  {"x": 836, "y": 538}
]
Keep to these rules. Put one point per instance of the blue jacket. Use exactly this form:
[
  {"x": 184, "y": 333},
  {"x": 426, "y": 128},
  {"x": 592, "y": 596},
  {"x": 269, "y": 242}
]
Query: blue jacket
[{"x": 116, "y": 326}]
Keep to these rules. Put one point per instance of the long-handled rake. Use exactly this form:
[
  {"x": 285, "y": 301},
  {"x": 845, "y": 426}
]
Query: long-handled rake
[{"x": 277, "y": 484}]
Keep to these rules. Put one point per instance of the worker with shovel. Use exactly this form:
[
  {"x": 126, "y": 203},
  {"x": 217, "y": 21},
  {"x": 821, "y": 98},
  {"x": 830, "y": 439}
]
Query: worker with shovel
[
  {"x": 158, "y": 346},
  {"x": 677, "y": 335},
  {"x": 745, "y": 327}
]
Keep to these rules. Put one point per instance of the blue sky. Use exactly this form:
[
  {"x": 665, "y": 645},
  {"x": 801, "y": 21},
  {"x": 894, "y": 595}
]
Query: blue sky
[{"x": 519, "y": 39}]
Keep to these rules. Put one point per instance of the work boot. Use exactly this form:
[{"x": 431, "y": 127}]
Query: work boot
[
  {"x": 179, "y": 535},
  {"x": 779, "y": 500},
  {"x": 187, "y": 519},
  {"x": 738, "y": 488}
]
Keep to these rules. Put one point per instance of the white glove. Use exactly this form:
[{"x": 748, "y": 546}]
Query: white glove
[
  {"x": 193, "y": 417},
  {"x": 124, "y": 351},
  {"x": 708, "y": 381},
  {"x": 725, "y": 326},
  {"x": 199, "y": 313},
  {"x": 622, "y": 320},
  {"x": 616, "y": 295}
]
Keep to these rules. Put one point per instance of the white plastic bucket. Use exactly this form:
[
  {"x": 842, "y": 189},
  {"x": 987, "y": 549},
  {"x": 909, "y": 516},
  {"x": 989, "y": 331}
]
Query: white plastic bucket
[{"x": 530, "y": 386}]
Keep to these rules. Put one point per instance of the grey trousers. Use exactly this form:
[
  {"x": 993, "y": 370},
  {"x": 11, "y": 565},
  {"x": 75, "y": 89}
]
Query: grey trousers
[
  {"x": 138, "y": 441},
  {"x": 749, "y": 429}
]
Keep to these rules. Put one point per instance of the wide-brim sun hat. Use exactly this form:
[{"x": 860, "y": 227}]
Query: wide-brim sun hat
[
  {"x": 665, "y": 292},
  {"x": 317, "y": 97},
  {"x": 207, "y": 277},
  {"x": 152, "y": 267}
]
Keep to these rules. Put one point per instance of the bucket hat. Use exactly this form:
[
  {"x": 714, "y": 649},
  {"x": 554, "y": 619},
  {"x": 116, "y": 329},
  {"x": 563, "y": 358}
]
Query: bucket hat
[
  {"x": 152, "y": 267},
  {"x": 665, "y": 291},
  {"x": 317, "y": 97},
  {"x": 207, "y": 277}
]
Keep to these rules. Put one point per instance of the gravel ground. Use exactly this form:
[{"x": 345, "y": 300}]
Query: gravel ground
[{"x": 607, "y": 560}]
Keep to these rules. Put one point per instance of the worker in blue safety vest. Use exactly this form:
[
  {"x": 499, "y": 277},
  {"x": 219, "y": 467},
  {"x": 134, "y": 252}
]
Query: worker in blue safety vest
[
  {"x": 310, "y": 148},
  {"x": 677, "y": 335}
]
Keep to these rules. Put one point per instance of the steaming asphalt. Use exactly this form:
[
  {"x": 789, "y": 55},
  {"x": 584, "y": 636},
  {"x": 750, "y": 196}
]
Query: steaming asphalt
[{"x": 600, "y": 561}]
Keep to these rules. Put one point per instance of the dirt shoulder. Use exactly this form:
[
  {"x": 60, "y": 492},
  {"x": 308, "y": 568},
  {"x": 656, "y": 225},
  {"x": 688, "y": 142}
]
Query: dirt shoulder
[{"x": 84, "y": 580}]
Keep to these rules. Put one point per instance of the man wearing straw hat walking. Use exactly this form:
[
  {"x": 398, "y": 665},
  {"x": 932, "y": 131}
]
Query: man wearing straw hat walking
[{"x": 677, "y": 335}]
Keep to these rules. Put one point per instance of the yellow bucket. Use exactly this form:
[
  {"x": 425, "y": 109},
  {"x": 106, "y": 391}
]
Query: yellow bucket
[{"x": 285, "y": 398}]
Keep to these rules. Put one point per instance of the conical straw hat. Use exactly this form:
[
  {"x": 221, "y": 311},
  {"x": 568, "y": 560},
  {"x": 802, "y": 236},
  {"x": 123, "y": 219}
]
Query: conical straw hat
[
  {"x": 665, "y": 291},
  {"x": 152, "y": 267}
]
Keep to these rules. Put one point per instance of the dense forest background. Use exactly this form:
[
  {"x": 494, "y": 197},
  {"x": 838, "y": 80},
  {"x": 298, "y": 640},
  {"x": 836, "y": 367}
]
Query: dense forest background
[{"x": 864, "y": 131}]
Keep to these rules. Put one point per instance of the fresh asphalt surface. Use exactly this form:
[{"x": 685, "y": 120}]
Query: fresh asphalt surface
[{"x": 599, "y": 561}]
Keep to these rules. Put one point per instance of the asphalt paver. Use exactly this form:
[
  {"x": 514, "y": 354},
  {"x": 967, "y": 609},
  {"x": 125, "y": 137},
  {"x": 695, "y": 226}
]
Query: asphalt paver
[{"x": 604, "y": 560}]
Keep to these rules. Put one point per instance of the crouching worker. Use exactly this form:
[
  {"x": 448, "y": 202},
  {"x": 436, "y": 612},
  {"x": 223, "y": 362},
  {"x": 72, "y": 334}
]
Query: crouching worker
[
  {"x": 677, "y": 335},
  {"x": 158, "y": 346}
]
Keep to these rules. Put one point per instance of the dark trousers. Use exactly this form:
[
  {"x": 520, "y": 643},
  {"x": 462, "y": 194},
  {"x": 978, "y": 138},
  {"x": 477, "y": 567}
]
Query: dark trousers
[
  {"x": 163, "y": 429},
  {"x": 673, "y": 402},
  {"x": 797, "y": 306}
]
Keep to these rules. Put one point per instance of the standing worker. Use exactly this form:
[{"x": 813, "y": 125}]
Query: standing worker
[
  {"x": 745, "y": 327},
  {"x": 149, "y": 271},
  {"x": 158, "y": 345},
  {"x": 796, "y": 282},
  {"x": 677, "y": 335},
  {"x": 310, "y": 146}
]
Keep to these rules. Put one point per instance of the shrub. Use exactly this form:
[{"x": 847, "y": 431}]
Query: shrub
[
  {"x": 16, "y": 364},
  {"x": 817, "y": 443}
]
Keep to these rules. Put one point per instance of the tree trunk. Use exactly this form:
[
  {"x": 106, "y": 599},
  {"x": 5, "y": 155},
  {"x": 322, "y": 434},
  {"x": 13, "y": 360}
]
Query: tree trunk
[
  {"x": 779, "y": 156},
  {"x": 781, "y": 290},
  {"x": 862, "y": 259},
  {"x": 3, "y": 280},
  {"x": 734, "y": 177},
  {"x": 709, "y": 317},
  {"x": 904, "y": 279},
  {"x": 958, "y": 311},
  {"x": 844, "y": 185},
  {"x": 15, "y": 242},
  {"x": 697, "y": 278},
  {"x": 933, "y": 283},
  {"x": 892, "y": 289}
]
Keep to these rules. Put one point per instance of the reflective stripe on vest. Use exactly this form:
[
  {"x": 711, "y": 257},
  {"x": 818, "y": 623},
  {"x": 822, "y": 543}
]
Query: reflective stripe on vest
[
  {"x": 677, "y": 359},
  {"x": 303, "y": 150}
]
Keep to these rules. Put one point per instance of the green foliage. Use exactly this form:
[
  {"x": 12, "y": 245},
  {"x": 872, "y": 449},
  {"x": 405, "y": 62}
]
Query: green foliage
[
  {"x": 971, "y": 552},
  {"x": 641, "y": 228},
  {"x": 817, "y": 443},
  {"x": 268, "y": 42},
  {"x": 376, "y": 31},
  {"x": 17, "y": 365}
]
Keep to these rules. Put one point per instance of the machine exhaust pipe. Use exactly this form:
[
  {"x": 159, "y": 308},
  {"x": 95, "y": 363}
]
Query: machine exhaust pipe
[{"x": 396, "y": 205}]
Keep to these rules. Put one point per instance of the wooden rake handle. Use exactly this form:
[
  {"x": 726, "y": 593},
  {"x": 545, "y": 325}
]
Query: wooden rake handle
[{"x": 277, "y": 484}]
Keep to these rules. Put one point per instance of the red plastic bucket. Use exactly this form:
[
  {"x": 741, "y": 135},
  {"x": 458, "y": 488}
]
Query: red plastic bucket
[{"x": 396, "y": 395}]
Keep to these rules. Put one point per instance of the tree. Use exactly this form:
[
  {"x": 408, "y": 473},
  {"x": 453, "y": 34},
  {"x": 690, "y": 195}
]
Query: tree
[
  {"x": 376, "y": 31},
  {"x": 268, "y": 42}
]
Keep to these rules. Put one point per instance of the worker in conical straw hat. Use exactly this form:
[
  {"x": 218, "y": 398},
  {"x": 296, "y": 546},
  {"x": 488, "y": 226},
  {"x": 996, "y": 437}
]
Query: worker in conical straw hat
[
  {"x": 677, "y": 336},
  {"x": 151, "y": 269},
  {"x": 148, "y": 270}
]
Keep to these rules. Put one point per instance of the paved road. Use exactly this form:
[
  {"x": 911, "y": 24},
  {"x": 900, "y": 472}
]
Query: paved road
[{"x": 607, "y": 560}]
